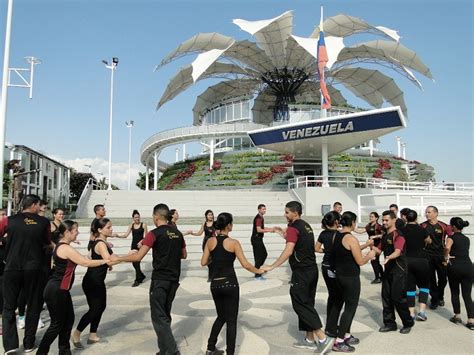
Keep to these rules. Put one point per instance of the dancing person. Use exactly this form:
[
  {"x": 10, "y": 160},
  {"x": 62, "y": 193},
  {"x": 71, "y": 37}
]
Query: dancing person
[
  {"x": 138, "y": 230},
  {"x": 43, "y": 207},
  {"x": 258, "y": 231},
  {"x": 169, "y": 248},
  {"x": 416, "y": 239},
  {"x": 330, "y": 225},
  {"x": 434, "y": 252},
  {"x": 28, "y": 236},
  {"x": 348, "y": 259},
  {"x": 57, "y": 291},
  {"x": 93, "y": 283},
  {"x": 337, "y": 207},
  {"x": 58, "y": 217},
  {"x": 374, "y": 231},
  {"x": 394, "y": 277},
  {"x": 404, "y": 214},
  {"x": 173, "y": 217},
  {"x": 399, "y": 223},
  {"x": 300, "y": 251},
  {"x": 460, "y": 271},
  {"x": 224, "y": 284},
  {"x": 99, "y": 211}
]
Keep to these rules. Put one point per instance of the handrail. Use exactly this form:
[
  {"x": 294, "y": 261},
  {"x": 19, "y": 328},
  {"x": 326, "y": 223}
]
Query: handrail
[
  {"x": 383, "y": 184},
  {"x": 86, "y": 192}
]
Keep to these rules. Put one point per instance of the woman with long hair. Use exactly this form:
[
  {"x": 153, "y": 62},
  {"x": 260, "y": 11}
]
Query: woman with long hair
[
  {"x": 57, "y": 292},
  {"x": 138, "y": 230},
  {"x": 173, "y": 217},
  {"x": 330, "y": 225},
  {"x": 58, "y": 217},
  {"x": 93, "y": 283},
  {"x": 460, "y": 271},
  {"x": 224, "y": 284},
  {"x": 374, "y": 231},
  {"x": 348, "y": 260}
]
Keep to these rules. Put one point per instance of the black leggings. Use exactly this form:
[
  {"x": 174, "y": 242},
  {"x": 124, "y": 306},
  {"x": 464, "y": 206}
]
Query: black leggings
[
  {"x": 259, "y": 252},
  {"x": 226, "y": 298},
  {"x": 61, "y": 311},
  {"x": 418, "y": 275},
  {"x": 378, "y": 270},
  {"x": 96, "y": 295},
  {"x": 334, "y": 297},
  {"x": 438, "y": 278},
  {"x": 349, "y": 287},
  {"x": 461, "y": 274}
]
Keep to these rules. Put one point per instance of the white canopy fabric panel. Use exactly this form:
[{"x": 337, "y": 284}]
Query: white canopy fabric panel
[
  {"x": 299, "y": 57},
  {"x": 334, "y": 45},
  {"x": 271, "y": 35},
  {"x": 183, "y": 79},
  {"x": 223, "y": 91},
  {"x": 250, "y": 55},
  {"x": 372, "y": 86},
  {"x": 262, "y": 110},
  {"x": 344, "y": 25},
  {"x": 199, "y": 43},
  {"x": 309, "y": 91}
]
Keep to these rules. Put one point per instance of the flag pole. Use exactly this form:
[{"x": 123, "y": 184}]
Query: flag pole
[
  {"x": 324, "y": 145},
  {"x": 323, "y": 112}
]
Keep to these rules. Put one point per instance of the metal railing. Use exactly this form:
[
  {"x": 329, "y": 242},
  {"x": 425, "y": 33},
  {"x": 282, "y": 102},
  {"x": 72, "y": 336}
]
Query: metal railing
[
  {"x": 448, "y": 203},
  {"x": 382, "y": 184},
  {"x": 86, "y": 192}
]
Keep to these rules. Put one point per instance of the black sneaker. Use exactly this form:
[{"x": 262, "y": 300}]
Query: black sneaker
[
  {"x": 455, "y": 320},
  {"x": 215, "y": 352},
  {"x": 342, "y": 347},
  {"x": 470, "y": 325},
  {"x": 387, "y": 328},
  {"x": 376, "y": 281},
  {"x": 441, "y": 303},
  {"x": 136, "y": 283},
  {"x": 351, "y": 340},
  {"x": 405, "y": 330},
  {"x": 434, "y": 305}
]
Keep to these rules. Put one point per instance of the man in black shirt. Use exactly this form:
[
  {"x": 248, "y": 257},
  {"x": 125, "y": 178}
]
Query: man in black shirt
[
  {"x": 169, "y": 248},
  {"x": 28, "y": 237},
  {"x": 434, "y": 252},
  {"x": 304, "y": 280},
  {"x": 258, "y": 230},
  {"x": 99, "y": 211},
  {"x": 399, "y": 223}
]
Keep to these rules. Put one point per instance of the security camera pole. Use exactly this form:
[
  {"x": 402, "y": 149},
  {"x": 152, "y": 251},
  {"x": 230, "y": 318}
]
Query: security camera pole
[
  {"x": 112, "y": 67},
  {"x": 6, "y": 83}
]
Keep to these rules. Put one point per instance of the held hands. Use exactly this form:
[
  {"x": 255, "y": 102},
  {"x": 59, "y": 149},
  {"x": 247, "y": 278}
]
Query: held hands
[
  {"x": 188, "y": 232},
  {"x": 261, "y": 271},
  {"x": 370, "y": 242},
  {"x": 266, "y": 268},
  {"x": 139, "y": 245}
]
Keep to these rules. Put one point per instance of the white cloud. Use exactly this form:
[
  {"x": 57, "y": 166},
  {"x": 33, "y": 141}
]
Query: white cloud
[{"x": 99, "y": 165}]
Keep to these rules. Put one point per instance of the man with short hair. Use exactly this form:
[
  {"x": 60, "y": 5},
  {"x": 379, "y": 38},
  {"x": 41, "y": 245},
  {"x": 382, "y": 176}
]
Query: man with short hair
[
  {"x": 434, "y": 252},
  {"x": 258, "y": 229},
  {"x": 43, "y": 207},
  {"x": 399, "y": 223},
  {"x": 169, "y": 248},
  {"x": 300, "y": 251},
  {"x": 394, "y": 277},
  {"x": 28, "y": 236},
  {"x": 99, "y": 211},
  {"x": 337, "y": 207}
]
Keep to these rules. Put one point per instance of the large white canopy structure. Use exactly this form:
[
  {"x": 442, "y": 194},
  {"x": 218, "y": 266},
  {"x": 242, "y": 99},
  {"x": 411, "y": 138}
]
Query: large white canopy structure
[{"x": 281, "y": 68}]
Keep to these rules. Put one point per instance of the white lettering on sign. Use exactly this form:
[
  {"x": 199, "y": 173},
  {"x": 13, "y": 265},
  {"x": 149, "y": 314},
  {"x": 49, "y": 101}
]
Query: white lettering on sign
[{"x": 316, "y": 131}]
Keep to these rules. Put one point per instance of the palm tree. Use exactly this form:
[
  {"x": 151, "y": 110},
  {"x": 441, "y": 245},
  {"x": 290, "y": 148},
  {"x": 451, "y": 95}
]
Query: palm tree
[{"x": 280, "y": 68}]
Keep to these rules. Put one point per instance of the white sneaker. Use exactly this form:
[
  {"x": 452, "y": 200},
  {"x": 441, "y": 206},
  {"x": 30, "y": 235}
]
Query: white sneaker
[
  {"x": 20, "y": 322},
  {"x": 40, "y": 324}
]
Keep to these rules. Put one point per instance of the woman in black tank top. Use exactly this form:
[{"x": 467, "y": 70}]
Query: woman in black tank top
[
  {"x": 460, "y": 272},
  {"x": 93, "y": 283},
  {"x": 348, "y": 259},
  {"x": 57, "y": 291},
  {"x": 58, "y": 216},
  {"x": 138, "y": 230},
  {"x": 224, "y": 284}
]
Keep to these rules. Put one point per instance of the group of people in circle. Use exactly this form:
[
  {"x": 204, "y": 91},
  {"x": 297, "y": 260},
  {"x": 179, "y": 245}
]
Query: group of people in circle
[{"x": 419, "y": 258}]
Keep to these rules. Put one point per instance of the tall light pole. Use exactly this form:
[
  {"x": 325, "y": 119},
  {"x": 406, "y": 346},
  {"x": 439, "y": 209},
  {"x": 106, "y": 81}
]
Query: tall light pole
[
  {"x": 129, "y": 125},
  {"x": 112, "y": 67}
]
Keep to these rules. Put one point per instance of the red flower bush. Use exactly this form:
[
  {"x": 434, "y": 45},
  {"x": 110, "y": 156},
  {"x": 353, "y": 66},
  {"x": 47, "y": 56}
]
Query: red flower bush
[
  {"x": 217, "y": 165},
  {"x": 378, "y": 174},
  {"x": 278, "y": 169},
  {"x": 287, "y": 158},
  {"x": 384, "y": 164},
  {"x": 182, "y": 176}
]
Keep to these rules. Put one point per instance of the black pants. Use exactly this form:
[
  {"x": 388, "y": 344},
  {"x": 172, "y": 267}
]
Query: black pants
[
  {"x": 461, "y": 274},
  {"x": 13, "y": 281},
  {"x": 418, "y": 275},
  {"x": 438, "y": 278},
  {"x": 61, "y": 311},
  {"x": 162, "y": 294},
  {"x": 2, "y": 268},
  {"x": 226, "y": 298},
  {"x": 394, "y": 296},
  {"x": 96, "y": 295},
  {"x": 334, "y": 297},
  {"x": 378, "y": 270},
  {"x": 303, "y": 292},
  {"x": 349, "y": 288},
  {"x": 259, "y": 252}
]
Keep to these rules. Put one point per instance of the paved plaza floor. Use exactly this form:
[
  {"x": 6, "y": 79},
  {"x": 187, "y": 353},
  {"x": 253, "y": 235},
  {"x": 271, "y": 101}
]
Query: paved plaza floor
[{"x": 267, "y": 323}]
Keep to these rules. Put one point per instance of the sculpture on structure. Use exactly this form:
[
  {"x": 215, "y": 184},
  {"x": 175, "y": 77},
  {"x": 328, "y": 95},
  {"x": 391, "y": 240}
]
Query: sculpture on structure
[{"x": 281, "y": 68}]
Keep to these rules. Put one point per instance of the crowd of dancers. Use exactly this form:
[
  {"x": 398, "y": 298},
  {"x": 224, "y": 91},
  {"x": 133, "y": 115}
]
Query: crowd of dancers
[{"x": 38, "y": 264}]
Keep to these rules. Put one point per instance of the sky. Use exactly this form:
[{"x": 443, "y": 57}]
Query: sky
[{"x": 68, "y": 117}]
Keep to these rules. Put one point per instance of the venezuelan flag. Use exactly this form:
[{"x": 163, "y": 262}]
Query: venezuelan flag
[{"x": 322, "y": 56}]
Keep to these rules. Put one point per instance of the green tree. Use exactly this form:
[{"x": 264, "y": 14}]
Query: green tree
[
  {"x": 77, "y": 183},
  {"x": 140, "y": 183}
]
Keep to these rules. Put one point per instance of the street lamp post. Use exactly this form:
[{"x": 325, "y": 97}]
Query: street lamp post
[
  {"x": 112, "y": 67},
  {"x": 129, "y": 125}
]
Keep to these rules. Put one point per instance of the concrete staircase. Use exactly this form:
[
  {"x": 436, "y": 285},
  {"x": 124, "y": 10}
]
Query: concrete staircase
[{"x": 239, "y": 202}]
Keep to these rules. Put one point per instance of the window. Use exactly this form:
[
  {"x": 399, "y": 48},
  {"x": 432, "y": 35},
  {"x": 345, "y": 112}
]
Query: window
[
  {"x": 237, "y": 110},
  {"x": 55, "y": 178},
  {"x": 230, "y": 112},
  {"x": 245, "y": 109}
]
